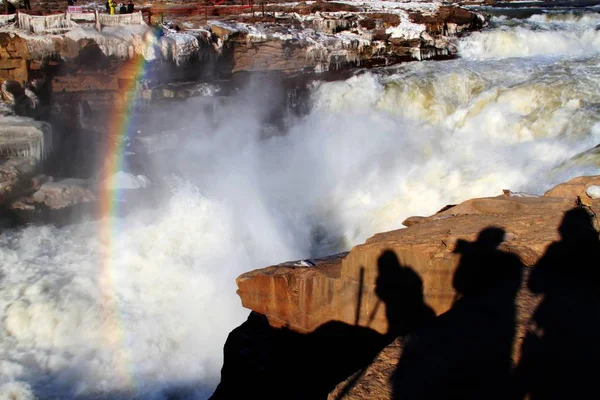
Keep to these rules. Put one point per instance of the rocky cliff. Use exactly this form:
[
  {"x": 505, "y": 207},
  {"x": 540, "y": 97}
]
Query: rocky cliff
[
  {"x": 83, "y": 52},
  {"x": 482, "y": 266}
]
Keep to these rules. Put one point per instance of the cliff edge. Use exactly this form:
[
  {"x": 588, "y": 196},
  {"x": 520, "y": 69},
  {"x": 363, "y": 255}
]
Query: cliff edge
[{"x": 510, "y": 278}]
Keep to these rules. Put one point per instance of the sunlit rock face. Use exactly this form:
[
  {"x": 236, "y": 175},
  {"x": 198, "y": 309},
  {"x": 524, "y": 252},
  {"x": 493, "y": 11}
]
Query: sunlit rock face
[
  {"x": 303, "y": 296},
  {"x": 481, "y": 266}
]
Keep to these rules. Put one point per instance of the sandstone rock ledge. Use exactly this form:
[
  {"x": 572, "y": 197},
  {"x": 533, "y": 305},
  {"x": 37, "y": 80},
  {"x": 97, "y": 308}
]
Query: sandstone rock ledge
[{"x": 303, "y": 297}]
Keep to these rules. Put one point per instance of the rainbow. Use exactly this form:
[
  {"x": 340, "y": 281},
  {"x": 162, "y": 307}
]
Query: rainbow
[{"x": 119, "y": 128}]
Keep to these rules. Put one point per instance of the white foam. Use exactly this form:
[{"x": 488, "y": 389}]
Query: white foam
[
  {"x": 171, "y": 277},
  {"x": 16, "y": 391},
  {"x": 540, "y": 35}
]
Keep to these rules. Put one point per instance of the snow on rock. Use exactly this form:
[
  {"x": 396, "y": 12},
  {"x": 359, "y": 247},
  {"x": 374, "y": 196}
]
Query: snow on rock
[
  {"x": 179, "y": 47},
  {"x": 319, "y": 40},
  {"x": 331, "y": 22},
  {"x": 330, "y": 39},
  {"x": 120, "y": 41},
  {"x": 331, "y": 50},
  {"x": 593, "y": 191},
  {"x": 391, "y": 6},
  {"x": 406, "y": 30},
  {"x": 123, "y": 42}
]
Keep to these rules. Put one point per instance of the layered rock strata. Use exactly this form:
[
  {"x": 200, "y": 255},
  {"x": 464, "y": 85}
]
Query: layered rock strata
[{"x": 79, "y": 56}]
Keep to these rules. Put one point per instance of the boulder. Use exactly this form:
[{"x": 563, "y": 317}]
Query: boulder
[{"x": 64, "y": 193}]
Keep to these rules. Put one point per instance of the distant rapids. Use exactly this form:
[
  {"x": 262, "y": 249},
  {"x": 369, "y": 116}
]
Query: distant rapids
[{"x": 518, "y": 110}]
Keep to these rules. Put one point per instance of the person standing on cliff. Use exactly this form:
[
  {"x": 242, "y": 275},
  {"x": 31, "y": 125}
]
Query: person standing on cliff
[
  {"x": 27, "y": 4},
  {"x": 130, "y": 7},
  {"x": 400, "y": 288}
]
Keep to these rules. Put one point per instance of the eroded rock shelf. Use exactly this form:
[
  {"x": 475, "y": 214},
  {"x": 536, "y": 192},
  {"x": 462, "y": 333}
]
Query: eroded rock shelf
[{"x": 333, "y": 306}]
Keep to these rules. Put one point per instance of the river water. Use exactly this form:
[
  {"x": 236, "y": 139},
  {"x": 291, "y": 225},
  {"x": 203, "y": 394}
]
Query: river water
[{"x": 518, "y": 110}]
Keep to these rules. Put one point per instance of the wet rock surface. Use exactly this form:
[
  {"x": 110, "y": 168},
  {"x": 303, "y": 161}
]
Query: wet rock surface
[
  {"x": 16, "y": 177},
  {"x": 63, "y": 193}
]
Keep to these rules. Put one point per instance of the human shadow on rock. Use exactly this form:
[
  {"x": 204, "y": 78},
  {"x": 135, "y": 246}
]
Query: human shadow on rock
[
  {"x": 561, "y": 352},
  {"x": 466, "y": 353},
  {"x": 400, "y": 288},
  {"x": 265, "y": 362}
]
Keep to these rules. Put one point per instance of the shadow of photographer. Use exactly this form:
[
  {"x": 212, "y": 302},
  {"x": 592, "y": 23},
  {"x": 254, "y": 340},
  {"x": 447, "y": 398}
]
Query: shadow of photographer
[
  {"x": 466, "y": 353},
  {"x": 561, "y": 352}
]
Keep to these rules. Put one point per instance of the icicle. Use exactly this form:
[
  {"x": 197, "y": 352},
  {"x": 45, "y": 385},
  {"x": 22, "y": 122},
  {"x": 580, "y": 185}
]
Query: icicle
[{"x": 8, "y": 19}]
